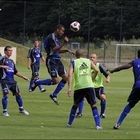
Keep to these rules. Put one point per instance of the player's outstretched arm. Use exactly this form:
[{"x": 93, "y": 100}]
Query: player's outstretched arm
[
  {"x": 122, "y": 67},
  {"x": 22, "y": 76}
]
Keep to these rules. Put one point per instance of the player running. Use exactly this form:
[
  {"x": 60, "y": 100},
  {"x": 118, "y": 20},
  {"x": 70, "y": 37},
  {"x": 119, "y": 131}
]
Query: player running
[
  {"x": 98, "y": 86},
  {"x": 81, "y": 71},
  {"x": 54, "y": 44},
  {"x": 34, "y": 56},
  {"x": 7, "y": 72},
  {"x": 134, "y": 97}
]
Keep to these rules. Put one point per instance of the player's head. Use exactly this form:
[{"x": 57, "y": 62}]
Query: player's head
[
  {"x": 36, "y": 43},
  {"x": 8, "y": 51},
  {"x": 138, "y": 53},
  {"x": 59, "y": 30},
  {"x": 79, "y": 53},
  {"x": 93, "y": 58}
]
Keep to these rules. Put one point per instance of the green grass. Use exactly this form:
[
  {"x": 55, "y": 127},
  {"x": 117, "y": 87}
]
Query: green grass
[{"x": 48, "y": 121}]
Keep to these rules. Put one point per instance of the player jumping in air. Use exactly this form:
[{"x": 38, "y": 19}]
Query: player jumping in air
[{"x": 54, "y": 44}]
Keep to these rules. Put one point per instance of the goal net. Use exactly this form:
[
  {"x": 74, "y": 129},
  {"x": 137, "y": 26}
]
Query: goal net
[{"x": 125, "y": 53}]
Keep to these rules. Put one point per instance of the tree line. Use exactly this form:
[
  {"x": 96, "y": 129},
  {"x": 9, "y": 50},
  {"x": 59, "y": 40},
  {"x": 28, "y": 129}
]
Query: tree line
[{"x": 115, "y": 19}]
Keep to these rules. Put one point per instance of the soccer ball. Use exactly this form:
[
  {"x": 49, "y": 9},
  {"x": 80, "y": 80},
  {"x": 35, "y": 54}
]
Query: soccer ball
[{"x": 75, "y": 26}]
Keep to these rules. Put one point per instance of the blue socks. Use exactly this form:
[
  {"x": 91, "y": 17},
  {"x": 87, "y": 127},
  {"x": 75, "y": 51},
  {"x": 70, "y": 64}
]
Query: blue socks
[
  {"x": 124, "y": 114},
  {"x": 96, "y": 116},
  {"x": 4, "y": 103},
  {"x": 31, "y": 83},
  {"x": 44, "y": 82},
  {"x": 20, "y": 103},
  {"x": 103, "y": 106},
  {"x": 81, "y": 105},
  {"x": 59, "y": 87},
  {"x": 72, "y": 114}
]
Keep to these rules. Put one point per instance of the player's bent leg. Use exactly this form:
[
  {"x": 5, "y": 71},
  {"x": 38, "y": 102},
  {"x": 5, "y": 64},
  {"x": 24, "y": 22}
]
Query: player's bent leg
[
  {"x": 72, "y": 115},
  {"x": 59, "y": 87}
]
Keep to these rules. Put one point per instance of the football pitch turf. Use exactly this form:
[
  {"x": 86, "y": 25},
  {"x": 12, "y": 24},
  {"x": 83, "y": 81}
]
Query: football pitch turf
[{"x": 48, "y": 121}]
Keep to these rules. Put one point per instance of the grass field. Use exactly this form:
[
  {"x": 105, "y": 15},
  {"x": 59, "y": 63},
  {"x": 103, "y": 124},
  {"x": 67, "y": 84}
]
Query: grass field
[{"x": 48, "y": 121}]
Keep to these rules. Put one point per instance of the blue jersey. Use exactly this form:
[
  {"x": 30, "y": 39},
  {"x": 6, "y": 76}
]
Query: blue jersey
[
  {"x": 35, "y": 54},
  {"x": 136, "y": 72},
  {"x": 7, "y": 74},
  {"x": 103, "y": 71},
  {"x": 51, "y": 42}
]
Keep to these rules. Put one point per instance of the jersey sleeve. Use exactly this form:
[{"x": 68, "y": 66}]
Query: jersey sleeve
[{"x": 103, "y": 71}]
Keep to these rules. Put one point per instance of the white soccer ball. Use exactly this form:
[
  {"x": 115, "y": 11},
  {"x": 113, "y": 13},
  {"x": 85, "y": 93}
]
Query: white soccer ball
[{"x": 75, "y": 26}]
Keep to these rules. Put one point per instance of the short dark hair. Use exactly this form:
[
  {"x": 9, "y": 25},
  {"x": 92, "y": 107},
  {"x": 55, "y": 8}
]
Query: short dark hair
[
  {"x": 7, "y": 47},
  {"x": 59, "y": 26},
  {"x": 139, "y": 53},
  {"x": 79, "y": 53},
  {"x": 36, "y": 39}
]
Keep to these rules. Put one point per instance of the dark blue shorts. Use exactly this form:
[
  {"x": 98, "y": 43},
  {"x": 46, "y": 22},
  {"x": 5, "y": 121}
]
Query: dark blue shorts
[
  {"x": 35, "y": 70},
  {"x": 135, "y": 95},
  {"x": 9, "y": 86},
  {"x": 55, "y": 67},
  {"x": 99, "y": 91},
  {"x": 88, "y": 93}
]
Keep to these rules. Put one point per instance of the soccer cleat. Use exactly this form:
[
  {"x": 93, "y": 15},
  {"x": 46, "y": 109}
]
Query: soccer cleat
[
  {"x": 24, "y": 112},
  {"x": 102, "y": 116},
  {"x": 54, "y": 99},
  {"x": 43, "y": 90},
  {"x": 30, "y": 90},
  {"x": 78, "y": 115},
  {"x": 6, "y": 114},
  {"x": 117, "y": 126},
  {"x": 69, "y": 126},
  {"x": 99, "y": 127}
]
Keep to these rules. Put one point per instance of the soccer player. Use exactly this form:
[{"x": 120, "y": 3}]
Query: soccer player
[
  {"x": 98, "y": 85},
  {"x": 54, "y": 44},
  {"x": 34, "y": 56},
  {"x": 81, "y": 70},
  {"x": 134, "y": 97},
  {"x": 7, "y": 72}
]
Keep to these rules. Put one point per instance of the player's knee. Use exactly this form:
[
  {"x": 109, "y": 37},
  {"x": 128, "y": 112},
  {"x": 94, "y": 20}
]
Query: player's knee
[
  {"x": 93, "y": 106},
  {"x": 65, "y": 77},
  {"x": 103, "y": 97},
  {"x": 17, "y": 94},
  {"x": 55, "y": 81}
]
